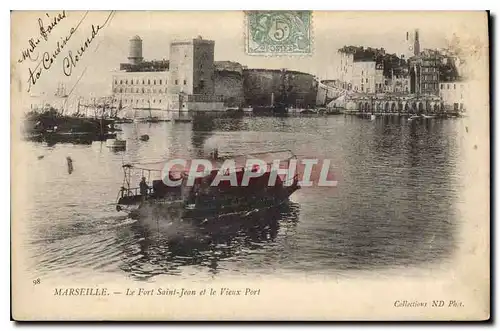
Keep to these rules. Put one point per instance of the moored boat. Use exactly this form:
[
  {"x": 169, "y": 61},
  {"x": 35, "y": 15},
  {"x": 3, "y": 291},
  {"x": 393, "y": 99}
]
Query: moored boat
[{"x": 116, "y": 143}]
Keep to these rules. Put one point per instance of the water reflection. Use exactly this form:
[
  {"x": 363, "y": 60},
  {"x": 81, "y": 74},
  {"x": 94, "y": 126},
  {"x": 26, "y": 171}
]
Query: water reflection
[
  {"x": 203, "y": 127},
  {"x": 165, "y": 247}
]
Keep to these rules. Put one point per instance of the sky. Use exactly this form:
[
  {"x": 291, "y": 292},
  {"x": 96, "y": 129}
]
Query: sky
[{"x": 91, "y": 74}]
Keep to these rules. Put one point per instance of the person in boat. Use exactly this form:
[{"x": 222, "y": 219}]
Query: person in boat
[
  {"x": 144, "y": 188},
  {"x": 214, "y": 154}
]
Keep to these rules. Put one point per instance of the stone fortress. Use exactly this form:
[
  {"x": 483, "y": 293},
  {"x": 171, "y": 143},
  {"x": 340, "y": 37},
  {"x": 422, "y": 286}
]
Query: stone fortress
[{"x": 192, "y": 81}]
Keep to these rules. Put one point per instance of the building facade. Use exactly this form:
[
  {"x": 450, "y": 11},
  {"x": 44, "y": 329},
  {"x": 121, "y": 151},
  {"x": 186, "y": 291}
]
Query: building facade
[
  {"x": 345, "y": 69},
  {"x": 454, "y": 95},
  {"x": 363, "y": 76},
  {"x": 424, "y": 73},
  {"x": 140, "y": 89}
]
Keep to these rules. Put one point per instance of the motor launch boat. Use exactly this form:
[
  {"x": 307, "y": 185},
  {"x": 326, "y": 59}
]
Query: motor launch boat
[{"x": 203, "y": 195}]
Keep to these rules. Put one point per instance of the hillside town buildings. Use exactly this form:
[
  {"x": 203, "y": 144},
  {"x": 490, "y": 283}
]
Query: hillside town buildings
[{"x": 415, "y": 72}]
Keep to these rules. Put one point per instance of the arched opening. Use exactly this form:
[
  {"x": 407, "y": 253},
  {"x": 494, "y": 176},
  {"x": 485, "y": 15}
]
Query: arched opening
[
  {"x": 393, "y": 107},
  {"x": 436, "y": 107},
  {"x": 386, "y": 107},
  {"x": 367, "y": 106},
  {"x": 407, "y": 107},
  {"x": 414, "y": 106},
  {"x": 400, "y": 106},
  {"x": 420, "y": 106},
  {"x": 360, "y": 106}
]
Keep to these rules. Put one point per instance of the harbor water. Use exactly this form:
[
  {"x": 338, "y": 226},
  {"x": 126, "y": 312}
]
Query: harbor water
[{"x": 395, "y": 205}]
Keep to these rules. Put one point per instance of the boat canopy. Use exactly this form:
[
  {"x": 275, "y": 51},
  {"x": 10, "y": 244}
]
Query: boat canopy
[{"x": 240, "y": 161}]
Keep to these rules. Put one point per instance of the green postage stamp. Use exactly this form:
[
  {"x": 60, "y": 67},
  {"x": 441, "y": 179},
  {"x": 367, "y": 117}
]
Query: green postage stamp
[{"x": 278, "y": 33}]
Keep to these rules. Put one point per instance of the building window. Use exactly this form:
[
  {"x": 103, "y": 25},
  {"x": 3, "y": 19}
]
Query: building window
[
  {"x": 159, "y": 101},
  {"x": 137, "y": 101},
  {"x": 160, "y": 81},
  {"x": 126, "y": 81},
  {"x": 116, "y": 82},
  {"x": 121, "y": 82},
  {"x": 143, "y": 82},
  {"x": 367, "y": 80},
  {"x": 149, "y": 82},
  {"x": 185, "y": 82},
  {"x": 176, "y": 83},
  {"x": 441, "y": 86},
  {"x": 454, "y": 86},
  {"x": 447, "y": 86},
  {"x": 154, "y": 82}
]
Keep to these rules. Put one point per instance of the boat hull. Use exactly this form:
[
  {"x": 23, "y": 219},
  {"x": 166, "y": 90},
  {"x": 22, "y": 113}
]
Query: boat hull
[{"x": 167, "y": 208}]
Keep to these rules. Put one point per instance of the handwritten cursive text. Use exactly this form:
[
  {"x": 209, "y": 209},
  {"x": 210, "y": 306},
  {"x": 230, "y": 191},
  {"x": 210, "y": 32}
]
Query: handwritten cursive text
[
  {"x": 29, "y": 52},
  {"x": 71, "y": 60}
]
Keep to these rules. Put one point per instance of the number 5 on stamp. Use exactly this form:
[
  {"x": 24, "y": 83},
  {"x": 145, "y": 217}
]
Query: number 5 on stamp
[{"x": 278, "y": 33}]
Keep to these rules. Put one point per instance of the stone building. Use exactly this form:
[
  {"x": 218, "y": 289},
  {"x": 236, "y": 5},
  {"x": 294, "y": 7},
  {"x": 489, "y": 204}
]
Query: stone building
[
  {"x": 191, "y": 84},
  {"x": 454, "y": 95},
  {"x": 140, "y": 89},
  {"x": 424, "y": 73},
  {"x": 192, "y": 80}
]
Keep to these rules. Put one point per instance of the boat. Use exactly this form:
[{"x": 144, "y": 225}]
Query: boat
[
  {"x": 248, "y": 109},
  {"x": 428, "y": 116},
  {"x": 200, "y": 197},
  {"x": 116, "y": 143},
  {"x": 182, "y": 120},
  {"x": 234, "y": 110},
  {"x": 123, "y": 120},
  {"x": 373, "y": 117},
  {"x": 308, "y": 111},
  {"x": 413, "y": 117}
]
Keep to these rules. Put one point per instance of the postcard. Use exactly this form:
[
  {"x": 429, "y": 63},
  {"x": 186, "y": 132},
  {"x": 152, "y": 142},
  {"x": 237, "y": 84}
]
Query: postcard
[{"x": 285, "y": 165}]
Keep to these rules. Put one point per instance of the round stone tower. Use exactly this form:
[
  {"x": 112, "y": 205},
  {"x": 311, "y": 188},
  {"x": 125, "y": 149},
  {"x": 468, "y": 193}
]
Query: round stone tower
[{"x": 135, "y": 50}]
